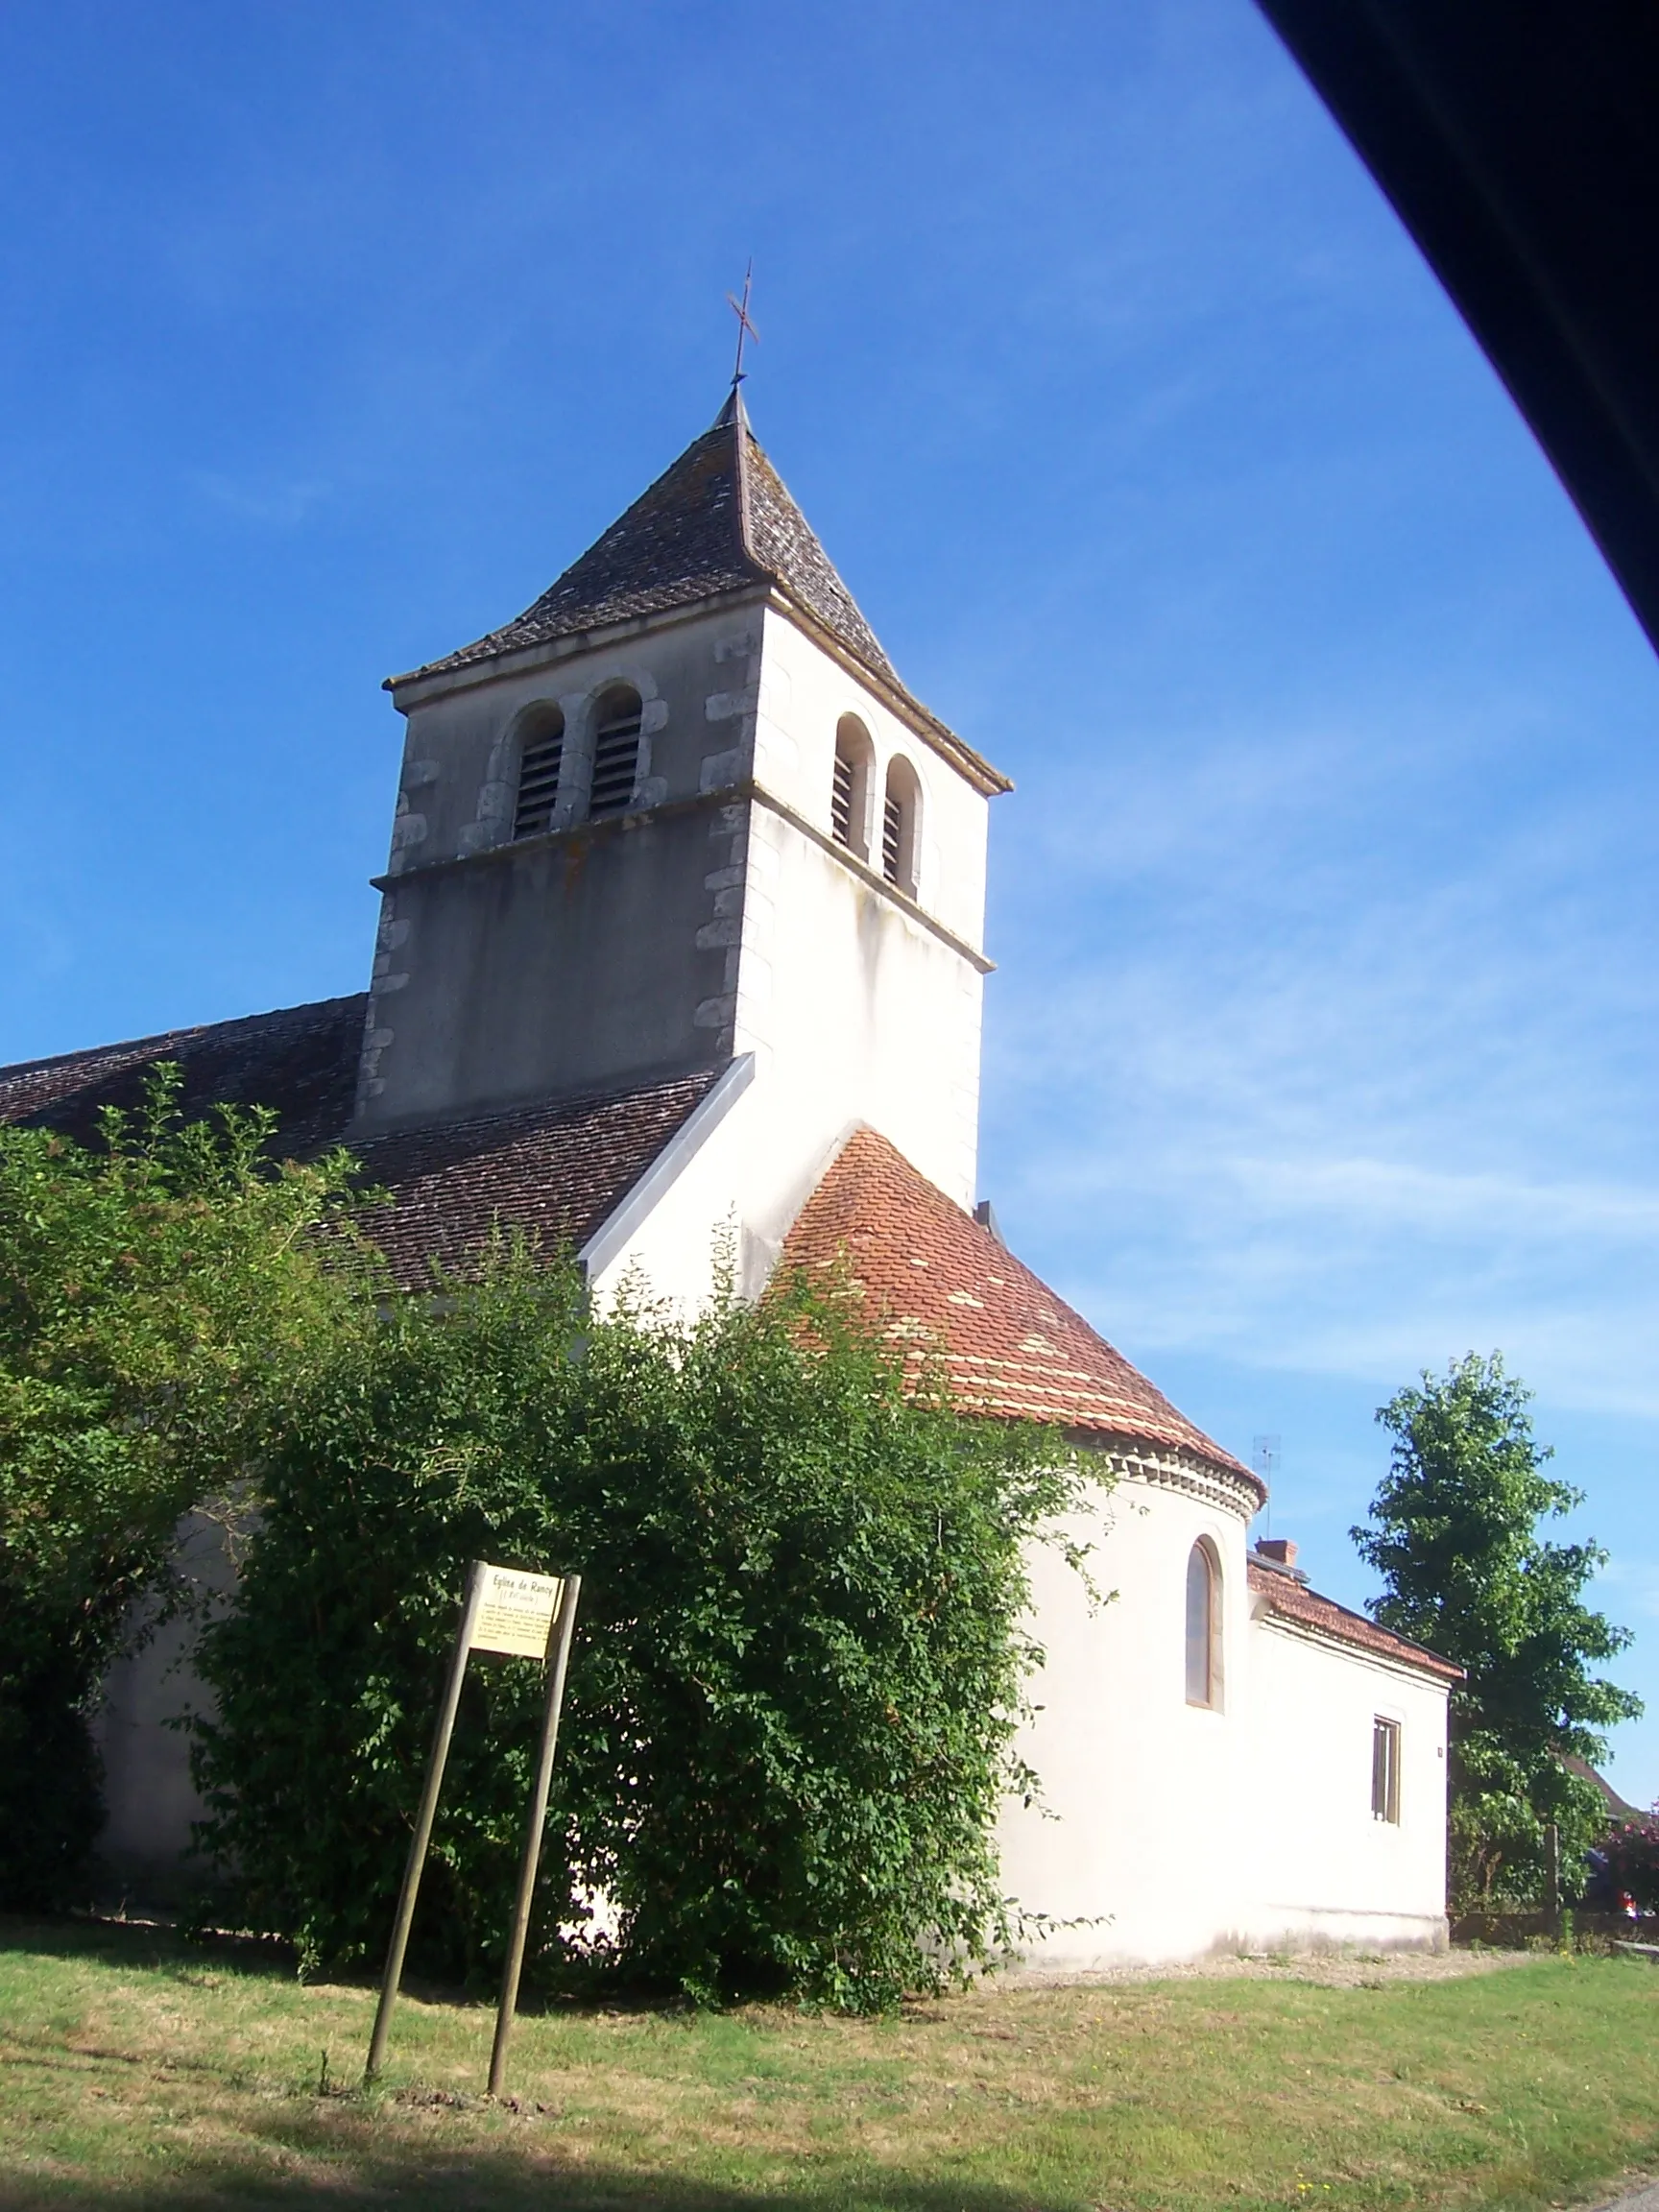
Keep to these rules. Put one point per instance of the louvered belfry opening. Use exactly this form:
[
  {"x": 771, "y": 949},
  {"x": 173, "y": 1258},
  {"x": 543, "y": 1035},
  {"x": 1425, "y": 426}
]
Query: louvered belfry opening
[
  {"x": 899, "y": 816},
  {"x": 538, "y": 764},
  {"x": 892, "y": 836},
  {"x": 850, "y": 786},
  {"x": 615, "y": 752},
  {"x": 841, "y": 800}
]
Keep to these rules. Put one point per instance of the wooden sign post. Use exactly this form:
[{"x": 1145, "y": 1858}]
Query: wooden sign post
[
  {"x": 557, "y": 1644},
  {"x": 533, "y": 1616}
]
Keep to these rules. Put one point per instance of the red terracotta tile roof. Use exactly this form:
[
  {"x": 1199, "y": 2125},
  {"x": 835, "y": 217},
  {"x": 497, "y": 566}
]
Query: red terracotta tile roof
[
  {"x": 1292, "y": 1600},
  {"x": 1009, "y": 1344},
  {"x": 553, "y": 1171}
]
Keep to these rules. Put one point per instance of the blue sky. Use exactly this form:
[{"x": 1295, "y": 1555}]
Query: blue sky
[{"x": 1323, "y": 1043}]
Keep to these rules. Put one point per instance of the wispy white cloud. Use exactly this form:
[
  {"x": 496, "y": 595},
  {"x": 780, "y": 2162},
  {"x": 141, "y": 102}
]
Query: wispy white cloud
[
  {"x": 274, "y": 504},
  {"x": 1348, "y": 1070}
]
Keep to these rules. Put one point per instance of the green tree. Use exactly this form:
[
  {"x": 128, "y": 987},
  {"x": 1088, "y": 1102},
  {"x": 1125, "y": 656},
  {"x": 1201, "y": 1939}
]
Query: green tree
[
  {"x": 798, "y": 1669},
  {"x": 1453, "y": 1532},
  {"x": 159, "y": 1291}
]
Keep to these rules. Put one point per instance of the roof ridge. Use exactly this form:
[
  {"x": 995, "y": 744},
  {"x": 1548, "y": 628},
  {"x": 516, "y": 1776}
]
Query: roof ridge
[
  {"x": 737, "y": 415},
  {"x": 182, "y": 1030},
  {"x": 574, "y": 1103}
]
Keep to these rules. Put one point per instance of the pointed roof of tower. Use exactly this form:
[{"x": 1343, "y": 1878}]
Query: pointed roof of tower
[{"x": 720, "y": 519}]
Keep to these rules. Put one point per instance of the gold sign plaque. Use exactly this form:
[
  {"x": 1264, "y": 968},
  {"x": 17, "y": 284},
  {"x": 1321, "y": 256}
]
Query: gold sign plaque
[{"x": 515, "y": 1612}]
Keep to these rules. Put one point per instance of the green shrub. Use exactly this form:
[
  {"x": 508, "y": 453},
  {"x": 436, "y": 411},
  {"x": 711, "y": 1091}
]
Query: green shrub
[
  {"x": 158, "y": 1294},
  {"x": 797, "y": 1672}
]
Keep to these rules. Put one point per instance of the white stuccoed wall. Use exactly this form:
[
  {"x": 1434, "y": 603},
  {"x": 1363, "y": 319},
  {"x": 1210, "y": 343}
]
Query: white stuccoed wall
[
  {"x": 858, "y": 1007},
  {"x": 1139, "y": 1830},
  {"x": 1168, "y": 1831},
  {"x": 1324, "y": 1868}
]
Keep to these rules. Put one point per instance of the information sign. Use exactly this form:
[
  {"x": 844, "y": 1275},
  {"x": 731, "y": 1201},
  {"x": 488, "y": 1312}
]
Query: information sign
[
  {"x": 515, "y": 1612},
  {"x": 533, "y": 1615}
]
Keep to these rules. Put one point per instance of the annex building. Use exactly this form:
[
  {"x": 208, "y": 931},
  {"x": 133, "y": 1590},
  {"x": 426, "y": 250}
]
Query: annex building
[{"x": 680, "y": 939}]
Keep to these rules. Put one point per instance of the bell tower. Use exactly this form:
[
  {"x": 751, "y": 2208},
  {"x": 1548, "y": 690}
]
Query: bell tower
[{"x": 678, "y": 814}]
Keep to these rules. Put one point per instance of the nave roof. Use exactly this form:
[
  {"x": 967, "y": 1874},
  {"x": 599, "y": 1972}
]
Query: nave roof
[{"x": 555, "y": 1170}]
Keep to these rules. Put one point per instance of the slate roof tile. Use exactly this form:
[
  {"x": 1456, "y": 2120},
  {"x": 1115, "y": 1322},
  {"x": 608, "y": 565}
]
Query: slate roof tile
[
  {"x": 718, "y": 518},
  {"x": 300, "y": 1060},
  {"x": 1010, "y": 1346},
  {"x": 553, "y": 1172}
]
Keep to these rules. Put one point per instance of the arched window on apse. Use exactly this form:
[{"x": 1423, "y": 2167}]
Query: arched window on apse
[
  {"x": 616, "y": 717},
  {"x": 850, "y": 791},
  {"x": 901, "y": 808},
  {"x": 540, "y": 751},
  {"x": 1203, "y": 1625}
]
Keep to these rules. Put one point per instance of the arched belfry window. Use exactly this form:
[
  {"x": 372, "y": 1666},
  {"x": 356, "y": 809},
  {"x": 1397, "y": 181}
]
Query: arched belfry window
[
  {"x": 850, "y": 790},
  {"x": 899, "y": 811},
  {"x": 541, "y": 754},
  {"x": 616, "y": 717},
  {"x": 1203, "y": 1625}
]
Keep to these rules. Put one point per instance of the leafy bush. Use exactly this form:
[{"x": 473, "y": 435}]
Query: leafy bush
[
  {"x": 157, "y": 1294},
  {"x": 797, "y": 1671}
]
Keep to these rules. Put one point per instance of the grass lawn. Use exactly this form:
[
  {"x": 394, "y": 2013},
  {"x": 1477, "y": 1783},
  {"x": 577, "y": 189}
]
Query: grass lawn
[{"x": 136, "y": 2072}]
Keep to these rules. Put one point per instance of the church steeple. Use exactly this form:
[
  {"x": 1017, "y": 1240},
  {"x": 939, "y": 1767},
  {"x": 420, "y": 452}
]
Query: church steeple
[{"x": 678, "y": 814}]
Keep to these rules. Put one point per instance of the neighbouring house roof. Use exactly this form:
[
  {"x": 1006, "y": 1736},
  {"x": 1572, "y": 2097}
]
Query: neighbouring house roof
[
  {"x": 1009, "y": 1345},
  {"x": 1619, "y": 1807},
  {"x": 1290, "y": 1599},
  {"x": 553, "y": 1171},
  {"x": 719, "y": 520}
]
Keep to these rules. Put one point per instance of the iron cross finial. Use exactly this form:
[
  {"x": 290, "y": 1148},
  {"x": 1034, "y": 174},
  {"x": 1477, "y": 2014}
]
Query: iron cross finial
[{"x": 745, "y": 329}]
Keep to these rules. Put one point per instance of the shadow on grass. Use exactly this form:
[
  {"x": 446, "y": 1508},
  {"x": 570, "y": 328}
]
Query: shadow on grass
[
  {"x": 140, "y": 1943},
  {"x": 484, "y": 2181},
  {"x": 342, "y": 2151}
]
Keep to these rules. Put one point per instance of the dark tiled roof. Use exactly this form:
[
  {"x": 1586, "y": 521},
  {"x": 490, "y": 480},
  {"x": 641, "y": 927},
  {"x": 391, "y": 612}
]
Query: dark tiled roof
[
  {"x": 1009, "y": 1345},
  {"x": 783, "y": 543},
  {"x": 718, "y": 519},
  {"x": 1290, "y": 1599},
  {"x": 553, "y": 1171},
  {"x": 300, "y": 1060}
]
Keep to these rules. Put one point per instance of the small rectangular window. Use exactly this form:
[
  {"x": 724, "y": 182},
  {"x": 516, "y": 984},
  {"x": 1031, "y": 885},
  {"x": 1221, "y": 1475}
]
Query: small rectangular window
[{"x": 1385, "y": 1769}]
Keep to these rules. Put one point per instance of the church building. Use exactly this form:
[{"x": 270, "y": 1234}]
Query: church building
[{"x": 680, "y": 943}]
